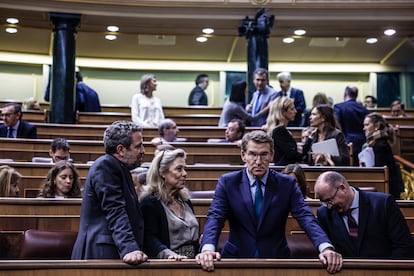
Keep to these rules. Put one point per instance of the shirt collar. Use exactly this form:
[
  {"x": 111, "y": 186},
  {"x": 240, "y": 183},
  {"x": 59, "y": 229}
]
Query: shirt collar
[
  {"x": 252, "y": 180},
  {"x": 355, "y": 202}
]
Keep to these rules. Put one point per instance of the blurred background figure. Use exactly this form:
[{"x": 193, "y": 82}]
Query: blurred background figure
[
  {"x": 30, "y": 104},
  {"x": 370, "y": 101},
  {"x": 350, "y": 115},
  {"x": 319, "y": 98},
  {"x": 397, "y": 109},
  {"x": 379, "y": 135},
  {"x": 297, "y": 172},
  {"x": 139, "y": 177},
  {"x": 168, "y": 131},
  {"x": 326, "y": 127},
  {"x": 13, "y": 125},
  {"x": 233, "y": 133},
  {"x": 62, "y": 181},
  {"x": 198, "y": 95},
  {"x": 295, "y": 94},
  {"x": 9, "y": 181},
  {"x": 171, "y": 228},
  {"x": 146, "y": 109},
  {"x": 60, "y": 150},
  {"x": 282, "y": 111},
  {"x": 87, "y": 99},
  {"x": 234, "y": 108}
]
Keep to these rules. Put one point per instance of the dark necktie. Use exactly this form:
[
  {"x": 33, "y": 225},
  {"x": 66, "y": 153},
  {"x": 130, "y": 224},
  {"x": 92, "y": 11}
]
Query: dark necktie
[
  {"x": 258, "y": 198},
  {"x": 284, "y": 94},
  {"x": 256, "y": 108},
  {"x": 10, "y": 133},
  {"x": 352, "y": 224}
]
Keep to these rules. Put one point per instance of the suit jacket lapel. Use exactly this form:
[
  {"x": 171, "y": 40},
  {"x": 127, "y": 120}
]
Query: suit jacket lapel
[
  {"x": 343, "y": 233},
  {"x": 363, "y": 215},
  {"x": 270, "y": 193},
  {"x": 246, "y": 196}
]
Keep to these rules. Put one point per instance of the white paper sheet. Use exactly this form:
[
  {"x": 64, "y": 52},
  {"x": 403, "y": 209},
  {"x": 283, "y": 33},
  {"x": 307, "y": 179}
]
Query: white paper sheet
[{"x": 328, "y": 146}]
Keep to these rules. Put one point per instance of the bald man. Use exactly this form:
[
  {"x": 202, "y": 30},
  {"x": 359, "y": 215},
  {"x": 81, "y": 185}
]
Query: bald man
[{"x": 362, "y": 224}]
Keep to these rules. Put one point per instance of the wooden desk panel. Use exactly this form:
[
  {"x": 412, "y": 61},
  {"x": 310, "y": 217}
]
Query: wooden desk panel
[
  {"x": 95, "y": 132},
  {"x": 106, "y": 118},
  {"x": 204, "y": 177},
  {"x": 82, "y": 151}
]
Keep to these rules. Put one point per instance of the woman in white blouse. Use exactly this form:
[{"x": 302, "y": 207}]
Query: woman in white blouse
[{"x": 146, "y": 110}]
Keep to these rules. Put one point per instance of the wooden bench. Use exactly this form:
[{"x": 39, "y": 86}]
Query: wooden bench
[
  {"x": 386, "y": 111},
  {"x": 106, "y": 118},
  {"x": 83, "y": 151},
  {"x": 399, "y": 121},
  {"x": 404, "y": 145},
  {"x": 204, "y": 177},
  {"x": 20, "y": 214},
  {"x": 95, "y": 132}
]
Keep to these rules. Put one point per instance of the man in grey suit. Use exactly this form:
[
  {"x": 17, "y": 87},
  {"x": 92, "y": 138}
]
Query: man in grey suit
[
  {"x": 111, "y": 222},
  {"x": 261, "y": 98},
  {"x": 362, "y": 224},
  {"x": 256, "y": 201}
]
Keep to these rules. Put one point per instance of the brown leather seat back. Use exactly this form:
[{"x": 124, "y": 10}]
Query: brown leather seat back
[{"x": 39, "y": 244}]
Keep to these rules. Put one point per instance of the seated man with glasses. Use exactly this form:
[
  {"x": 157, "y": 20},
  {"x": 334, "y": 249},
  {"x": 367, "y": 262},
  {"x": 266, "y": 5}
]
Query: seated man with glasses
[
  {"x": 256, "y": 201},
  {"x": 362, "y": 224},
  {"x": 13, "y": 126}
]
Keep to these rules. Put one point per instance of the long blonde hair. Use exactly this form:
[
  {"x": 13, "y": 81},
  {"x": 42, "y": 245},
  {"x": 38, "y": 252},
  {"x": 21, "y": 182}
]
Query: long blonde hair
[
  {"x": 8, "y": 176},
  {"x": 276, "y": 117},
  {"x": 156, "y": 183}
]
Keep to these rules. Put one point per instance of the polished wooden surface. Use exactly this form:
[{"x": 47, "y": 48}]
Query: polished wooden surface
[
  {"x": 225, "y": 267},
  {"x": 83, "y": 151},
  {"x": 106, "y": 118}
]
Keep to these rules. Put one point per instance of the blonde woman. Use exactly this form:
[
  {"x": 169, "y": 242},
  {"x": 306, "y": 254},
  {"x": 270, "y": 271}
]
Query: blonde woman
[
  {"x": 9, "y": 180},
  {"x": 281, "y": 112},
  {"x": 171, "y": 228}
]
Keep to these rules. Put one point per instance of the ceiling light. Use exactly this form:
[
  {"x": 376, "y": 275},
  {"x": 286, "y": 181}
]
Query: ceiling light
[
  {"x": 299, "y": 32},
  {"x": 12, "y": 20},
  {"x": 112, "y": 28},
  {"x": 288, "y": 40},
  {"x": 371, "y": 40},
  {"x": 111, "y": 37},
  {"x": 201, "y": 39},
  {"x": 389, "y": 32},
  {"x": 208, "y": 30},
  {"x": 11, "y": 30}
]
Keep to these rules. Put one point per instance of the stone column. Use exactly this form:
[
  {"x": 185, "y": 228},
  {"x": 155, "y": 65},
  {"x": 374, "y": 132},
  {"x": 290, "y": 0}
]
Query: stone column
[{"x": 62, "y": 85}]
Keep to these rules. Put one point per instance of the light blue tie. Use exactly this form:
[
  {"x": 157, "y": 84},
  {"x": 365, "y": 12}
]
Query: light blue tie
[
  {"x": 258, "y": 199},
  {"x": 256, "y": 105}
]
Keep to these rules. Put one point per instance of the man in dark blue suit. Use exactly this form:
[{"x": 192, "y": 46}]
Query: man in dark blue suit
[
  {"x": 256, "y": 201},
  {"x": 13, "y": 125},
  {"x": 362, "y": 224},
  {"x": 111, "y": 221},
  {"x": 87, "y": 99},
  {"x": 284, "y": 79},
  {"x": 350, "y": 115}
]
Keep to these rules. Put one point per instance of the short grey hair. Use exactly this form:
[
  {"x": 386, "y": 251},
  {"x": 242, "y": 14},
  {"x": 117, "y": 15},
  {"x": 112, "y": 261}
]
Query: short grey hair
[
  {"x": 119, "y": 133},
  {"x": 257, "y": 136},
  {"x": 284, "y": 76}
]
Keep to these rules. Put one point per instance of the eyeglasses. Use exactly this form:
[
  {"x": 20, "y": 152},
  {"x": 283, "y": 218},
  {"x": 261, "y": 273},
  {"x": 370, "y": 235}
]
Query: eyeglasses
[
  {"x": 7, "y": 114},
  {"x": 329, "y": 201},
  {"x": 264, "y": 156}
]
